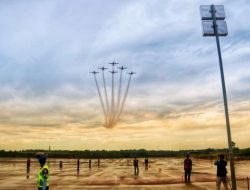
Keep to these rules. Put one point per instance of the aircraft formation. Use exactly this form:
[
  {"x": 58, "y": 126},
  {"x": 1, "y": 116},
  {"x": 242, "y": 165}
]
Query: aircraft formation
[{"x": 113, "y": 102}]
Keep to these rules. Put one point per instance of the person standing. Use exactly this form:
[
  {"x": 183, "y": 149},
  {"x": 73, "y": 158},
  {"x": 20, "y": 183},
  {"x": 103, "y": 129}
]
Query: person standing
[
  {"x": 136, "y": 166},
  {"x": 146, "y": 163},
  {"x": 28, "y": 163},
  {"x": 78, "y": 164},
  {"x": 61, "y": 165},
  {"x": 43, "y": 174},
  {"x": 98, "y": 162},
  {"x": 221, "y": 172},
  {"x": 28, "y": 168},
  {"x": 89, "y": 163},
  {"x": 187, "y": 168}
]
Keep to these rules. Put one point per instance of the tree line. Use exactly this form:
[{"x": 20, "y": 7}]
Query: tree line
[{"x": 139, "y": 153}]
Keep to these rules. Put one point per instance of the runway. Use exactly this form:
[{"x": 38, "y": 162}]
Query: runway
[{"x": 162, "y": 173}]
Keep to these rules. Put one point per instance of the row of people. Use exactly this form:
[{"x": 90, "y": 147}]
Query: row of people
[{"x": 43, "y": 175}]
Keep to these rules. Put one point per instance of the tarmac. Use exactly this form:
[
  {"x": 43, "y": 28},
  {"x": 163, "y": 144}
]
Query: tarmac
[{"x": 162, "y": 173}]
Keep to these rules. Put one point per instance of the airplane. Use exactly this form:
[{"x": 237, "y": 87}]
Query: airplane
[
  {"x": 103, "y": 68},
  {"x": 113, "y": 72},
  {"x": 122, "y": 68},
  {"x": 131, "y": 73},
  {"x": 94, "y": 72},
  {"x": 113, "y": 63}
]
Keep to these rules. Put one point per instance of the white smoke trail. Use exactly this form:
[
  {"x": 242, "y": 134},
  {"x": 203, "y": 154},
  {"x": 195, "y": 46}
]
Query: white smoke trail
[
  {"x": 106, "y": 99},
  {"x": 124, "y": 99},
  {"x": 99, "y": 93},
  {"x": 113, "y": 101},
  {"x": 119, "y": 95}
]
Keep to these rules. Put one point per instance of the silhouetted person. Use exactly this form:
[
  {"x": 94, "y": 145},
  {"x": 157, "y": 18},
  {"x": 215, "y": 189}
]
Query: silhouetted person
[
  {"x": 61, "y": 164},
  {"x": 28, "y": 163},
  {"x": 136, "y": 166},
  {"x": 28, "y": 168},
  {"x": 89, "y": 163},
  {"x": 98, "y": 162},
  {"x": 221, "y": 172},
  {"x": 146, "y": 163},
  {"x": 187, "y": 168},
  {"x": 78, "y": 164}
]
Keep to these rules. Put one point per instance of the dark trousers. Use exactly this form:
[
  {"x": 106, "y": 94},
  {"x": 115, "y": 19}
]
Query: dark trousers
[
  {"x": 136, "y": 168},
  {"x": 40, "y": 188},
  {"x": 187, "y": 175}
]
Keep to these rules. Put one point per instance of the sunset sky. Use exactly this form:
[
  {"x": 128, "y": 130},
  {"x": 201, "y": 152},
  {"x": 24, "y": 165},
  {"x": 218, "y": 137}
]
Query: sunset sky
[{"x": 48, "y": 96}]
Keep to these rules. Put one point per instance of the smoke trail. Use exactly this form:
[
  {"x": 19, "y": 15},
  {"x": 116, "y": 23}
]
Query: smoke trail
[
  {"x": 99, "y": 93},
  {"x": 113, "y": 101},
  {"x": 124, "y": 99},
  {"x": 106, "y": 98},
  {"x": 119, "y": 94}
]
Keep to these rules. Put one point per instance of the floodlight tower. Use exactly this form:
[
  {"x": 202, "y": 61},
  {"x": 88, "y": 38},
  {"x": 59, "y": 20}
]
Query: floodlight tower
[{"x": 214, "y": 24}]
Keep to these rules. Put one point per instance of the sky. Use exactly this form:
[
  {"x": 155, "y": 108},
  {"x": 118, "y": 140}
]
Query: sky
[{"x": 48, "y": 96}]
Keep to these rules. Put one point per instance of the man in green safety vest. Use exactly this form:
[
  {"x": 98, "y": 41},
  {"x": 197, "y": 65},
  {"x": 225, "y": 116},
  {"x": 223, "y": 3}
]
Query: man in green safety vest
[{"x": 43, "y": 175}]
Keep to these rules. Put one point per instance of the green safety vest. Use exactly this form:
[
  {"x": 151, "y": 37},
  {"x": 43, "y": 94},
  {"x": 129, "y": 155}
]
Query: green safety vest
[{"x": 43, "y": 177}]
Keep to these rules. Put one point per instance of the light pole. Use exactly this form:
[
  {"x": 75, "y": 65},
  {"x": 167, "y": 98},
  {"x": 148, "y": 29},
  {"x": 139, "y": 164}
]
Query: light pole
[{"x": 214, "y": 25}]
